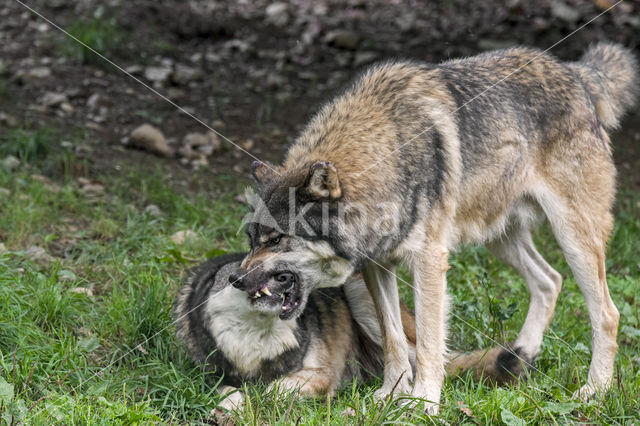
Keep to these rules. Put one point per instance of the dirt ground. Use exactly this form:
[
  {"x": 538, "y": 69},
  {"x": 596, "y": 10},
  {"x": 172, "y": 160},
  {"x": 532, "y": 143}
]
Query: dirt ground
[{"x": 254, "y": 70}]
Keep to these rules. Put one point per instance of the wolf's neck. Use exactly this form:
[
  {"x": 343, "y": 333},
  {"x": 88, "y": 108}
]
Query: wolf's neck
[{"x": 245, "y": 337}]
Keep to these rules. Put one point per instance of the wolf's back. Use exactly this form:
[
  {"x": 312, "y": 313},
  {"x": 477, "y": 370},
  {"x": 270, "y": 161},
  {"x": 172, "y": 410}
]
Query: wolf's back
[{"x": 610, "y": 75}]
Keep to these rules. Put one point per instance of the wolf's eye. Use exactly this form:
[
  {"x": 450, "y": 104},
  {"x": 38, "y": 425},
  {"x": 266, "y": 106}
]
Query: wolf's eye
[{"x": 273, "y": 241}]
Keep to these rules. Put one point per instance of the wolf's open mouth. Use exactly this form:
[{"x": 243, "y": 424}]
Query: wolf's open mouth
[{"x": 270, "y": 293}]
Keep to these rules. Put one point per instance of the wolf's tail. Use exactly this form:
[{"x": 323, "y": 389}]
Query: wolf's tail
[
  {"x": 610, "y": 74},
  {"x": 498, "y": 364}
]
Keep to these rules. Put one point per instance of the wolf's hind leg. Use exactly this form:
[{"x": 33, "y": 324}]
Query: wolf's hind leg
[
  {"x": 583, "y": 242},
  {"x": 517, "y": 249},
  {"x": 383, "y": 287}
]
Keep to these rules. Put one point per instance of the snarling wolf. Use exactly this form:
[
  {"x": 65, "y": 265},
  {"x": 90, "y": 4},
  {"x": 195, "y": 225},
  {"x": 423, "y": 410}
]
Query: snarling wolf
[
  {"x": 335, "y": 340},
  {"x": 413, "y": 160}
]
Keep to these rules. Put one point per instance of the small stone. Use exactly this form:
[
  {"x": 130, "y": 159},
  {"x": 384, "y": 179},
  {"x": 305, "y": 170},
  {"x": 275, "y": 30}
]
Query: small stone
[
  {"x": 81, "y": 290},
  {"x": 363, "y": 58},
  {"x": 8, "y": 120},
  {"x": 52, "y": 99},
  {"x": 38, "y": 254},
  {"x": 50, "y": 185},
  {"x": 134, "y": 69},
  {"x": 66, "y": 107},
  {"x": 157, "y": 74},
  {"x": 4, "y": 192},
  {"x": 93, "y": 190},
  {"x": 342, "y": 39},
  {"x": 278, "y": 14},
  {"x": 153, "y": 210},
  {"x": 565, "y": 12},
  {"x": 248, "y": 144},
  {"x": 180, "y": 237},
  {"x": 195, "y": 139},
  {"x": 206, "y": 150},
  {"x": 184, "y": 74},
  {"x": 83, "y": 181},
  {"x": 36, "y": 73},
  {"x": 151, "y": 139},
  {"x": 186, "y": 151},
  {"x": 3, "y": 248},
  {"x": 11, "y": 163},
  {"x": 238, "y": 169},
  {"x": 200, "y": 162}
]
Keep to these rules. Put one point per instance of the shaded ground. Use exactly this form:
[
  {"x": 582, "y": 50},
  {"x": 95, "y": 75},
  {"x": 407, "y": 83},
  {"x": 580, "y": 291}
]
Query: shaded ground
[{"x": 254, "y": 71}]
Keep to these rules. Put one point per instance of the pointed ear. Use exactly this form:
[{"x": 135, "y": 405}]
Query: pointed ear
[
  {"x": 261, "y": 172},
  {"x": 323, "y": 181}
]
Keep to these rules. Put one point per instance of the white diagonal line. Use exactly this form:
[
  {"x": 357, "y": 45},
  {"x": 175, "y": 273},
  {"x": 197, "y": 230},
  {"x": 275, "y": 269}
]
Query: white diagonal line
[
  {"x": 490, "y": 87},
  {"x": 137, "y": 80}
]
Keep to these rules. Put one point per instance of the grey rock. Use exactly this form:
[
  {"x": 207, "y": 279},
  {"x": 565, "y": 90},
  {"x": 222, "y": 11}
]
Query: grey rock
[
  {"x": 343, "y": 39},
  {"x": 11, "y": 163},
  {"x": 184, "y": 74},
  {"x": 153, "y": 210},
  {"x": 158, "y": 75},
  {"x": 150, "y": 139},
  {"x": 363, "y": 58},
  {"x": 278, "y": 14},
  {"x": 565, "y": 12},
  {"x": 38, "y": 254},
  {"x": 53, "y": 99},
  {"x": 8, "y": 120}
]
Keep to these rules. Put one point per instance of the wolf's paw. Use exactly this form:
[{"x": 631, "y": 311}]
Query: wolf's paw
[
  {"x": 232, "y": 402},
  {"x": 587, "y": 392},
  {"x": 402, "y": 387}
]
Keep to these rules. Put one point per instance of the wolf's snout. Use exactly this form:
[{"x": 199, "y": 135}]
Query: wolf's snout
[{"x": 285, "y": 278}]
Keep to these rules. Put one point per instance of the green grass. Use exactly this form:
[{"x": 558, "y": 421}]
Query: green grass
[
  {"x": 101, "y": 34},
  {"x": 111, "y": 357}
]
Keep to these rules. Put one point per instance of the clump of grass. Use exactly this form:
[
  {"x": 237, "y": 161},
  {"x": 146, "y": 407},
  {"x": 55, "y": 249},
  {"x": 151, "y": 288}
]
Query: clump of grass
[
  {"x": 112, "y": 357},
  {"x": 102, "y": 35}
]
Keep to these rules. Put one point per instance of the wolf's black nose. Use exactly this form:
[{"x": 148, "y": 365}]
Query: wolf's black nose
[
  {"x": 284, "y": 277},
  {"x": 235, "y": 278}
]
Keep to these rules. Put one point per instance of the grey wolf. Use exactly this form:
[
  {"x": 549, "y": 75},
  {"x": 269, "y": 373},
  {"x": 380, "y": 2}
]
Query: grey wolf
[
  {"x": 413, "y": 160},
  {"x": 335, "y": 340}
]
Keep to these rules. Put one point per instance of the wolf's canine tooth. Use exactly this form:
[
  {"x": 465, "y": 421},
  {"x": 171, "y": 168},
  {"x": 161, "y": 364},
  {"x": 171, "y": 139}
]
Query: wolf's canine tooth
[{"x": 266, "y": 291}]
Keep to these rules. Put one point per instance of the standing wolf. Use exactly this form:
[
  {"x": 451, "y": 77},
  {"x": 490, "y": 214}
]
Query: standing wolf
[{"x": 413, "y": 160}]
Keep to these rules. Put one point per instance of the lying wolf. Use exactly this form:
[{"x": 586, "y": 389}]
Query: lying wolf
[
  {"x": 414, "y": 159},
  {"x": 335, "y": 340}
]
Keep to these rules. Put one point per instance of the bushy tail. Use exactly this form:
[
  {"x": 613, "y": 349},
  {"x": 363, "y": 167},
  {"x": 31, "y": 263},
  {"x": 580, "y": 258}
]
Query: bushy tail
[
  {"x": 610, "y": 74},
  {"x": 499, "y": 365}
]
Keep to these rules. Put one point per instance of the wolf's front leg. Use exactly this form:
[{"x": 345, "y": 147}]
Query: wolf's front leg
[
  {"x": 381, "y": 282},
  {"x": 431, "y": 303}
]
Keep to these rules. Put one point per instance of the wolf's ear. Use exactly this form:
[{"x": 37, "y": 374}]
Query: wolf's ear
[
  {"x": 261, "y": 172},
  {"x": 323, "y": 181}
]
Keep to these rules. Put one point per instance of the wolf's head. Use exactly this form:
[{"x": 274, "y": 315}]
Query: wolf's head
[{"x": 293, "y": 234}]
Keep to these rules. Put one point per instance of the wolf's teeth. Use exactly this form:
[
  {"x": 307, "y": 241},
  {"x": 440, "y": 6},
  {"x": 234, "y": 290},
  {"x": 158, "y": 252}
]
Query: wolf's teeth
[
  {"x": 266, "y": 291},
  {"x": 284, "y": 308},
  {"x": 257, "y": 295}
]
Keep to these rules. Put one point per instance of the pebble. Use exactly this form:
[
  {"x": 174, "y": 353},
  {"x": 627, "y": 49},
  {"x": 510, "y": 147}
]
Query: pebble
[
  {"x": 153, "y": 210},
  {"x": 343, "y": 39},
  {"x": 82, "y": 290},
  {"x": 565, "y": 12},
  {"x": 53, "y": 99},
  {"x": 180, "y": 237},
  {"x": 157, "y": 74},
  {"x": 151, "y": 139},
  {"x": 11, "y": 163},
  {"x": 184, "y": 74},
  {"x": 3, "y": 248},
  {"x": 4, "y": 192},
  {"x": 278, "y": 14},
  {"x": 8, "y": 120},
  {"x": 38, "y": 254},
  {"x": 93, "y": 190}
]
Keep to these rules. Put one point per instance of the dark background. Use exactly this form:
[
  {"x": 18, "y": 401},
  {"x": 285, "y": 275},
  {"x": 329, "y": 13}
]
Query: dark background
[{"x": 254, "y": 70}]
